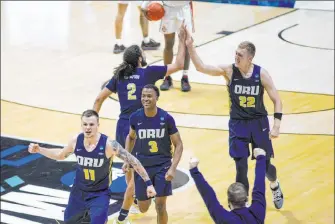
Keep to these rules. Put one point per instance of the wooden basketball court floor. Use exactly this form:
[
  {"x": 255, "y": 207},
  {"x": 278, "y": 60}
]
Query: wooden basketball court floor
[{"x": 56, "y": 55}]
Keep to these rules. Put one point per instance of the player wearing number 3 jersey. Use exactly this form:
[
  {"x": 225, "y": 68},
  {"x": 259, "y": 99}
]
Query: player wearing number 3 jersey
[
  {"x": 153, "y": 129},
  {"x": 128, "y": 81}
]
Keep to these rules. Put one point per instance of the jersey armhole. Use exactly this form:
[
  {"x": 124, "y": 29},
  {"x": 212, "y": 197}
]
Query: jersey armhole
[{"x": 232, "y": 74}]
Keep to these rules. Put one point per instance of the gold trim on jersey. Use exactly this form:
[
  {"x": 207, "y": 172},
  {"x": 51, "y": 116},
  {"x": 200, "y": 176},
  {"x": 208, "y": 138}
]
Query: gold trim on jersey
[{"x": 110, "y": 176}]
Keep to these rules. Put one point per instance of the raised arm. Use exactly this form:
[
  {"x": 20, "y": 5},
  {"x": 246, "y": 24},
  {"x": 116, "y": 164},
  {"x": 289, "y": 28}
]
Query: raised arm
[
  {"x": 258, "y": 205},
  {"x": 54, "y": 153},
  {"x": 275, "y": 98},
  {"x": 213, "y": 70},
  {"x": 180, "y": 58},
  {"x": 215, "y": 209}
]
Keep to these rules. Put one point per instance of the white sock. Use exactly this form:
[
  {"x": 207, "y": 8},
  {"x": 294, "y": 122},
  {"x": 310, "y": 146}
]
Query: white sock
[
  {"x": 273, "y": 185},
  {"x": 146, "y": 40},
  {"x": 119, "y": 42},
  {"x": 185, "y": 72}
]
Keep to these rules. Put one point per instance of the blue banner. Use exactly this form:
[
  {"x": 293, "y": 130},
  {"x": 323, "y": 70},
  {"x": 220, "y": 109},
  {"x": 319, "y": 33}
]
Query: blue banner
[{"x": 273, "y": 3}]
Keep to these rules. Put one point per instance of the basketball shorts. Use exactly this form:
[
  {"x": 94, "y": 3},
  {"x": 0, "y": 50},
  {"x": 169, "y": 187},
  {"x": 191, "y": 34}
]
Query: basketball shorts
[
  {"x": 254, "y": 131},
  {"x": 157, "y": 176},
  {"x": 81, "y": 204},
  {"x": 122, "y": 130},
  {"x": 137, "y": 3},
  {"x": 174, "y": 17}
]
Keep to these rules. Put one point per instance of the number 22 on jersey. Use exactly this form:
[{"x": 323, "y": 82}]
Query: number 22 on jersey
[
  {"x": 248, "y": 101},
  {"x": 131, "y": 87}
]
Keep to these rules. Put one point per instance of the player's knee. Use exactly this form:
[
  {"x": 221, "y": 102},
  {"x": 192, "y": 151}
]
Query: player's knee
[
  {"x": 130, "y": 188},
  {"x": 160, "y": 208},
  {"x": 120, "y": 16},
  {"x": 143, "y": 209}
]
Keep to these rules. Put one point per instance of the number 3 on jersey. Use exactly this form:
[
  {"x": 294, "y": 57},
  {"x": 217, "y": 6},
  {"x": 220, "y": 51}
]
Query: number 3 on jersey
[
  {"x": 131, "y": 87},
  {"x": 248, "y": 101},
  {"x": 153, "y": 146},
  {"x": 89, "y": 174}
]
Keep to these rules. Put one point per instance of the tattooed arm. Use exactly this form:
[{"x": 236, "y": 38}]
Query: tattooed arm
[
  {"x": 114, "y": 148},
  {"x": 54, "y": 153}
]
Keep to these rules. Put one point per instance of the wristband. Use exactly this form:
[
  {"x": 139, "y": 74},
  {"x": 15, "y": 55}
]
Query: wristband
[
  {"x": 278, "y": 115},
  {"x": 148, "y": 182}
]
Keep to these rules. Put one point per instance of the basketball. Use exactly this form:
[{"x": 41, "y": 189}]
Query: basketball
[{"x": 155, "y": 11}]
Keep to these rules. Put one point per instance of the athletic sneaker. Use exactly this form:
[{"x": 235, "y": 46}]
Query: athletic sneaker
[{"x": 278, "y": 197}]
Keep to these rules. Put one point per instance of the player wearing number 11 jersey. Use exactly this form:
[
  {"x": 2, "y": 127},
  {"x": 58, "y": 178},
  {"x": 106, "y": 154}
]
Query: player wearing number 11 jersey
[{"x": 94, "y": 152}]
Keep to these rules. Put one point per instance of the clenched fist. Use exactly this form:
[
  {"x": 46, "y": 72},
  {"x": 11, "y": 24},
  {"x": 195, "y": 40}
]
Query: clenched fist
[{"x": 34, "y": 148}]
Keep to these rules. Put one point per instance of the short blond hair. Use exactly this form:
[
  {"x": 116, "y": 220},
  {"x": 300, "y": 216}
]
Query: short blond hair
[{"x": 250, "y": 47}]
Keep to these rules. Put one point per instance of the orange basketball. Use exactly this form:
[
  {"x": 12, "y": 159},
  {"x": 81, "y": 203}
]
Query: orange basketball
[{"x": 155, "y": 11}]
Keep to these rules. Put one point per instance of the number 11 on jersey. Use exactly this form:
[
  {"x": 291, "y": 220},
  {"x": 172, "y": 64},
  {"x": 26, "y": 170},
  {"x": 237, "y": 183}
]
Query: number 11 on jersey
[{"x": 89, "y": 174}]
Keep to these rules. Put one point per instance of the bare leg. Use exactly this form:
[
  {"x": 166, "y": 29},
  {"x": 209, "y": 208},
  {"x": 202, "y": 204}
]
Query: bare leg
[{"x": 162, "y": 215}]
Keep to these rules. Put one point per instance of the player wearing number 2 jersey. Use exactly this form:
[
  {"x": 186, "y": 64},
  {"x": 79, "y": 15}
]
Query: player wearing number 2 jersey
[{"x": 128, "y": 81}]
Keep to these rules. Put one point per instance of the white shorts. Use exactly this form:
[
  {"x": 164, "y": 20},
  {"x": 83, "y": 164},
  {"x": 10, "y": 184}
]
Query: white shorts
[
  {"x": 137, "y": 3},
  {"x": 174, "y": 17}
]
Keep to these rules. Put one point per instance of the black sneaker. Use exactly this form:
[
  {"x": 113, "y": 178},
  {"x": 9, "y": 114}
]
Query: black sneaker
[
  {"x": 152, "y": 45},
  {"x": 118, "y": 49},
  {"x": 167, "y": 84},
  {"x": 185, "y": 85}
]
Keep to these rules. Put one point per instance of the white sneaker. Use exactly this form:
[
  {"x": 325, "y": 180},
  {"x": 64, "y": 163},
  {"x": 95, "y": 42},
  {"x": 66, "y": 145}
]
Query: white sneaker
[
  {"x": 134, "y": 209},
  {"x": 126, "y": 221}
]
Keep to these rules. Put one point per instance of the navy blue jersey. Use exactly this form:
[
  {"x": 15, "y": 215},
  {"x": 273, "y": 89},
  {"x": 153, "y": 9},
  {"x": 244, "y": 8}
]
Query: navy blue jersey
[
  {"x": 129, "y": 90},
  {"x": 93, "y": 171},
  {"x": 246, "y": 95},
  {"x": 153, "y": 143}
]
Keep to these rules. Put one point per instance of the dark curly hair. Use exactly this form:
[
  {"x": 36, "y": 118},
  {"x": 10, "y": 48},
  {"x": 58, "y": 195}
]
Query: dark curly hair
[{"x": 130, "y": 62}]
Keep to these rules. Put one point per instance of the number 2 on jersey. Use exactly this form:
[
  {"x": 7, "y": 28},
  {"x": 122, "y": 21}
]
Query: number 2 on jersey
[
  {"x": 247, "y": 101},
  {"x": 131, "y": 87},
  {"x": 153, "y": 146},
  {"x": 89, "y": 174}
]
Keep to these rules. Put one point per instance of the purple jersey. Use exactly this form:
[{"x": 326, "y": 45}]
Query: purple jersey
[
  {"x": 153, "y": 136},
  {"x": 129, "y": 90},
  {"x": 93, "y": 168},
  {"x": 246, "y": 95}
]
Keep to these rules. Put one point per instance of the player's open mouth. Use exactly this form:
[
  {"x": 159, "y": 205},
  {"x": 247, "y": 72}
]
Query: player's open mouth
[{"x": 88, "y": 132}]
